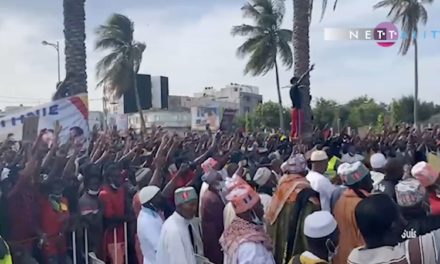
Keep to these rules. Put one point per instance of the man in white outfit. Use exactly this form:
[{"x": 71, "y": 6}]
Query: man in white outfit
[
  {"x": 149, "y": 223},
  {"x": 180, "y": 239},
  {"x": 318, "y": 181}
]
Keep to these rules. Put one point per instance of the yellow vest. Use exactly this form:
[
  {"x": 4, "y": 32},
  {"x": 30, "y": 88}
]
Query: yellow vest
[
  {"x": 331, "y": 167},
  {"x": 7, "y": 259}
]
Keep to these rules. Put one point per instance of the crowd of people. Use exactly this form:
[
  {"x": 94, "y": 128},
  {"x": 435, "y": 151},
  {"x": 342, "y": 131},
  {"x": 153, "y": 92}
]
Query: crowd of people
[{"x": 233, "y": 198}]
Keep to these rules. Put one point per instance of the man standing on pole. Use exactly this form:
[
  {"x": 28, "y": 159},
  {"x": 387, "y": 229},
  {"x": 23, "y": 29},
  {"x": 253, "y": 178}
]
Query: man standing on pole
[{"x": 297, "y": 115}]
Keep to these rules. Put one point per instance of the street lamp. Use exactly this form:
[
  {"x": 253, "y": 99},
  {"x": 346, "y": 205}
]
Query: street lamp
[{"x": 57, "y": 47}]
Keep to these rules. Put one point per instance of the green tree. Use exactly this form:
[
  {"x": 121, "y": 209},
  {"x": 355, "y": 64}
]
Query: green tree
[
  {"x": 409, "y": 13},
  {"x": 402, "y": 109},
  {"x": 265, "y": 115},
  {"x": 75, "y": 50},
  {"x": 361, "y": 111},
  {"x": 325, "y": 112},
  {"x": 266, "y": 41},
  {"x": 117, "y": 70},
  {"x": 302, "y": 15}
]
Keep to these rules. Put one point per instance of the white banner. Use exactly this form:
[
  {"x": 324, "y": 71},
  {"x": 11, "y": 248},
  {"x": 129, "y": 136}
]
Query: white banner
[
  {"x": 202, "y": 116},
  {"x": 71, "y": 112}
]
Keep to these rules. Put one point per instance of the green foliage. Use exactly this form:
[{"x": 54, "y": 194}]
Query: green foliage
[
  {"x": 402, "y": 110},
  {"x": 267, "y": 115},
  {"x": 325, "y": 112},
  {"x": 117, "y": 69},
  {"x": 358, "y": 112},
  {"x": 265, "y": 39},
  {"x": 365, "y": 111}
]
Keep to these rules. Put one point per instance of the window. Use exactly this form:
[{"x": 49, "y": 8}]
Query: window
[{"x": 235, "y": 89}]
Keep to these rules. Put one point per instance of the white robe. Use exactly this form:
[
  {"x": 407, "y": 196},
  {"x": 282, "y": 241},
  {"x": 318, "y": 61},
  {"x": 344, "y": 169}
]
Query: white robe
[
  {"x": 250, "y": 253},
  {"x": 175, "y": 245},
  {"x": 149, "y": 225}
]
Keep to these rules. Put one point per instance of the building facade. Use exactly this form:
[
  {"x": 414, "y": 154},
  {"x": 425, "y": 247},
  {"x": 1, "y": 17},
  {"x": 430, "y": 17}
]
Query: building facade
[
  {"x": 174, "y": 121},
  {"x": 244, "y": 98}
]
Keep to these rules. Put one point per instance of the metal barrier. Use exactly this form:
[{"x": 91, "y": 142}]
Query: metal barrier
[{"x": 86, "y": 245}]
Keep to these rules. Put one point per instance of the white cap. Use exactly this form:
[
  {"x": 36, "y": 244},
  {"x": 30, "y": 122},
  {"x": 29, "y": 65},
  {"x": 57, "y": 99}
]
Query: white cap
[
  {"x": 319, "y": 224},
  {"x": 262, "y": 176},
  {"x": 147, "y": 193},
  {"x": 318, "y": 155},
  {"x": 378, "y": 161}
]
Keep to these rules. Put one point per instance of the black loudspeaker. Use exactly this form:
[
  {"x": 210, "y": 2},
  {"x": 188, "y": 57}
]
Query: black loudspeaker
[
  {"x": 144, "y": 89},
  {"x": 164, "y": 91}
]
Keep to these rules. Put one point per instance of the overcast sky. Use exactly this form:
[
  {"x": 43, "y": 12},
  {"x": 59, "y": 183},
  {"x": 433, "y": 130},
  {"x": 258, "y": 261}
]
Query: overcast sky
[{"x": 190, "y": 42}]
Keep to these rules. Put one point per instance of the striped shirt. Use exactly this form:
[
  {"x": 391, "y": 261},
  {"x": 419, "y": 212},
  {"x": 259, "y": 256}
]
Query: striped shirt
[{"x": 423, "y": 249}]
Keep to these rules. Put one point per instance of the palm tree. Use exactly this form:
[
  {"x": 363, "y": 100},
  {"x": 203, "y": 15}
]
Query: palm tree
[
  {"x": 118, "y": 69},
  {"x": 302, "y": 16},
  {"x": 266, "y": 41},
  {"x": 75, "y": 47},
  {"x": 409, "y": 13}
]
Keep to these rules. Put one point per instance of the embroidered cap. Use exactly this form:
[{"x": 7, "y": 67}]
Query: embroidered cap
[
  {"x": 243, "y": 198},
  {"x": 262, "y": 176},
  {"x": 353, "y": 173},
  {"x": 425, "y": 173},
  {"x": 319, "y": 224},
  {"x": 147, "y": 193},
  {"x": 409, "y": 192},
  {"x": 295, "y": 164},
  {"x": 209, "y": 165},
  {"x": 185, "y": 195}
]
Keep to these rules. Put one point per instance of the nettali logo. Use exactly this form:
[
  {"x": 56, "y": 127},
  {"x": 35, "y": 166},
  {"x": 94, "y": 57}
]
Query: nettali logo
[{"x": 385, "y": 34}]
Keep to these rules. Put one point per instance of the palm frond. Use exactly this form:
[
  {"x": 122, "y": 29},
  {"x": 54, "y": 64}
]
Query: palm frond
[
  {"x": 138, "y": 50},
  {"x": 323, "y": 8},
  {"x": 115, "y": 71},
  {"x": 284, "y": 47},
  {"x": 423, "y": 14},
  {"x": 285, "y": 53},
  {"x": 246, "y": 30},
  {"x": 279, "y": 10},
  {"x": 108, "y": 43},
  {"x": 105, "y": 63},
  {"x": 250, "y": 11},
  {"x": 118, "y": 79},
  {"x": 124, "y": 24},
  {"x": 262, "y": 58},
  {"x": 335, "y": 4},
  {"x": 249, "y": 46},
  {"x": 384, "y": 3}
]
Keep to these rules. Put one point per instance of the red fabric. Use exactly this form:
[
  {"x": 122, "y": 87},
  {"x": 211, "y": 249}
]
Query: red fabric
[
  {"x": 185, "y": 180},
  {"x": 434, "y": 202},
  {"x": 52, "y": 224},
  {"x": 114, "y": 206},
  {"x": 23, "y": 214},
  {"x": 296, "y": 122}
]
